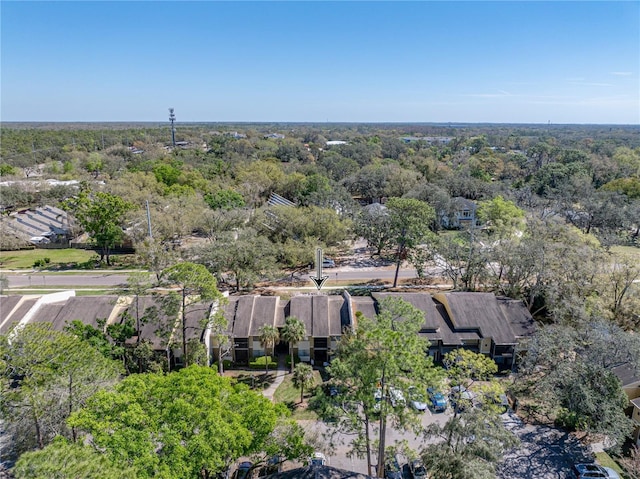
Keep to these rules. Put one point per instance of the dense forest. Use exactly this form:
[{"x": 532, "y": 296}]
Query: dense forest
[{"x": 547, "y": 214}]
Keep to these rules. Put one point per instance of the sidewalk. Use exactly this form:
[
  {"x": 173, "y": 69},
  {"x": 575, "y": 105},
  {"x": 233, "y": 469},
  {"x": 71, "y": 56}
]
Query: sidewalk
[{"x": 280, "y": 373}]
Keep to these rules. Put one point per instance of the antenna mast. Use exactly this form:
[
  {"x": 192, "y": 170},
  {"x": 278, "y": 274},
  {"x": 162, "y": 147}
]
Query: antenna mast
[{"x": 172, "y": 119}]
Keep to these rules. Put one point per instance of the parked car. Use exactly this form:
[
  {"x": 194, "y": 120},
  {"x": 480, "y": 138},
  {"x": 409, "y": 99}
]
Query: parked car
[
  {"x": 328, "y": 263},
  {"x": 416, "y": 399},
  {"x": 417, "y": 470},
  {"x": 499, "y": 402},
  {"x": 243, "y": 471},
  {"x": 437, "y": 400},
  {"x": 397, "y": 397},
  {"x": 318, "y": 459},
  {"x": 377, "y": 397},
  {"x": 461, "y": 398},
  {"x": 392, "y": 469},
  {"x": 588, "y": 471}
]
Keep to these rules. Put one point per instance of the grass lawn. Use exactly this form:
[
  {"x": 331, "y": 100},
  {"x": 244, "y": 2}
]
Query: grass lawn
[
  {"x": 606, "y": 460},
  {"x": 26, "y": 257},
  {"x": 626, "y": 250},
  {"x": 290, "y": 396}
]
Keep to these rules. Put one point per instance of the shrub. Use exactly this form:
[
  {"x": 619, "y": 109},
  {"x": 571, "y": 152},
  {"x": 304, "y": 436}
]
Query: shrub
[
  {"x": 40, "y": 263},
  {"x": 226, "y": 364},
  {"x": 259, "y": 363}
]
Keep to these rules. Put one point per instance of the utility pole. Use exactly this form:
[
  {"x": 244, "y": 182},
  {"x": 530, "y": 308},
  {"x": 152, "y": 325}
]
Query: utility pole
[
  {"x": 149, "y": 220},
  {"x": 172, "y": 119}
]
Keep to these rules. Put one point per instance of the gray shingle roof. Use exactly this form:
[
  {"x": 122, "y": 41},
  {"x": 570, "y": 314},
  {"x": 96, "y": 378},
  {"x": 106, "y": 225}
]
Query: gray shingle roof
[
  {"x": 481, "y": 312},
  {"x": 87, "y": 309},
  {"x": 7, "y": 303},
  {"x": 323, "y": 316},
  {"x": 17, "y": 315},
  {"x": 475, "y": 315},
  {"x": 627, "y": 374}
]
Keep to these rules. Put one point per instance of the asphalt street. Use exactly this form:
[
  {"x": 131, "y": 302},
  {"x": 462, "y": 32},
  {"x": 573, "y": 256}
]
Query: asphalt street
[{"x": 111, "y": 279}]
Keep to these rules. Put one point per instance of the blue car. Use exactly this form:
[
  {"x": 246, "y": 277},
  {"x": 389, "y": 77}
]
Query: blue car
[{"x": 438, "y": 401}]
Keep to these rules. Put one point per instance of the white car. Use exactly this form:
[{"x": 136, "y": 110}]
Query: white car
[
  {"x": 318, "y": 459},
  {"x": 416, "y": 400},
  {"x": 396, "y": 397}
]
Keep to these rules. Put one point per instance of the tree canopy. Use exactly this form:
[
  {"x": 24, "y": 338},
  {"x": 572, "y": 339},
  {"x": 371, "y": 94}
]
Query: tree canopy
[{"x": 192, "y": 423}]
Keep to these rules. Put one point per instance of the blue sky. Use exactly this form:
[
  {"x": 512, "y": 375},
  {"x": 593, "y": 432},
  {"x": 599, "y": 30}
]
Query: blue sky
[{"x": 505, "y": 62}]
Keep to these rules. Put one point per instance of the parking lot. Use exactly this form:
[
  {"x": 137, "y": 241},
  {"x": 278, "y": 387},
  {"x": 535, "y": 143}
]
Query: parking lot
[{"x": 544, "y": 452}]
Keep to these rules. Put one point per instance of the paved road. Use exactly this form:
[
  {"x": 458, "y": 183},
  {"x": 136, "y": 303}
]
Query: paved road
[
  {"x": 111, "y": 279},
  {"x": 102, "y": 279}
]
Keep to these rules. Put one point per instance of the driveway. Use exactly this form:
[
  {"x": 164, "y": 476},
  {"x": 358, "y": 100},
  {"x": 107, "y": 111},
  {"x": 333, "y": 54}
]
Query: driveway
[{"x": 544, "y": 452}]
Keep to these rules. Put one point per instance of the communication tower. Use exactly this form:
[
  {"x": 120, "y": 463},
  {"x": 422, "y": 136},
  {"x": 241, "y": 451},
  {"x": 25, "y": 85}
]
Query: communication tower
[{"x": 172, "y": 119}]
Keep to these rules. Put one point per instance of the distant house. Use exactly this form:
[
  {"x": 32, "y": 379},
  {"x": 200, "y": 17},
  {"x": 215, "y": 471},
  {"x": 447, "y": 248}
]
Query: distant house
[
  {"x": 275, "y": 136},
  {"x": 462, "y": 214},
  {"x": 46, "y": 222},
  {"x": 235, "y": 134},
  {"x": 630, "y": 380},
  {"x": 440, "y": 140},
  {"x": 335, "y": 142}
]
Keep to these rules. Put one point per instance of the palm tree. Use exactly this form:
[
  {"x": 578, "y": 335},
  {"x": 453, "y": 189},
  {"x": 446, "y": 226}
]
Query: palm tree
[
  {"x": 269, "y": 336},
  {"x": 293, "y": 332},
  {"x": 302, "y": 378}
]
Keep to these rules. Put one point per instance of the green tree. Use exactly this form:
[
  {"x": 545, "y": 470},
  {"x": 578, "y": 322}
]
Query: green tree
[
  {"x": 194, "y": 283},
  {"x": 244, "y": 253},
  {"x": 155, "y": 255},
  {"x": 502, "y": 216},
  {"x": 293, "y": 332},
  {"x": 302, "y": 378},
  {"x": 374, "y": 225},
  {"x": 269, "y": 337},
  {"x": 469, "y": 446},
  {"x": 102, "y": 216},
  {"x": 568, "y": 374},
  {"x": 410, "y": 220},
  {"x": 64, "y": 460},
  {"x": 189, "y": 424},
  {"x": 465, "y": 367},
  {"x": 224, "y": 199},
  {"x": 381, "y": 355},
  {"x": 474, "y": 439},
  {"x": 47, "y": 375}
]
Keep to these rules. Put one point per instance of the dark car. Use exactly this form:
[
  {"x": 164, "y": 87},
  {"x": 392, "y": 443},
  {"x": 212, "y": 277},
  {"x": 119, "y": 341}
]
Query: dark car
[
  {"x": 392, "y": 469},
  {"x": 273, "y": 466},
  {"x": 417, "y": 470},
  {"x": 243, "y": 471},
  {"x": 588, "y": 471}
]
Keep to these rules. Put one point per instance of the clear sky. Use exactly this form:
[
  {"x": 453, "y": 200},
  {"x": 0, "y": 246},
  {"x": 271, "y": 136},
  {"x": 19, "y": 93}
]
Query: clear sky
[{"x": 506, "y": 62}]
